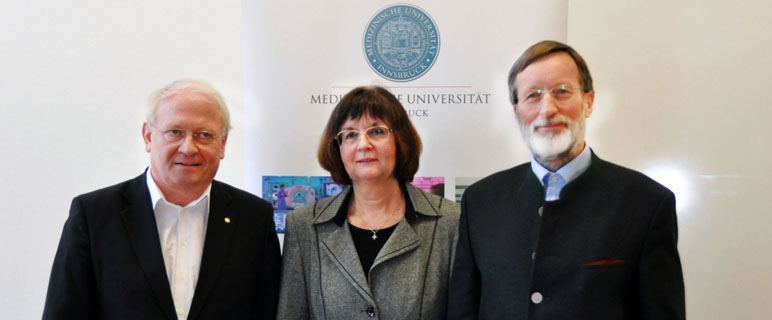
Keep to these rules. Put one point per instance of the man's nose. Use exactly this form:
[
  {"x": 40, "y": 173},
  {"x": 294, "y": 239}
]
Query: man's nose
[
  {"x": 188, "y": 145},
  {"x": 548, "y": 106}
]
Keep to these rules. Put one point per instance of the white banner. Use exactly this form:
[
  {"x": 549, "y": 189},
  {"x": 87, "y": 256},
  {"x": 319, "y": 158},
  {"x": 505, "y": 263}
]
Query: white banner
[{"x": 446, "y": 62}]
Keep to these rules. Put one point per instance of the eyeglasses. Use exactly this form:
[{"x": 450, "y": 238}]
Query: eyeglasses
[
  {"x": 177, "y": 135},
  {"x": 351, "y": 137},
  {"x": 560, "y": 93}
]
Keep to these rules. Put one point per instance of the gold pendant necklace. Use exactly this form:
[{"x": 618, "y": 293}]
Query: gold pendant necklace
[{"x": 374, "y": 231}]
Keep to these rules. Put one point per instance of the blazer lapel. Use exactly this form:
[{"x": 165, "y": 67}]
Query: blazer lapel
[
  {"x": 139, "y": 219},
  {"x": 405, "y": 238},
  {"x": 337, "y": 243},
  {"x": 339, "y": 246},
  {"x": 219, "y": 235},
  {"x": 401, "y": 241}
]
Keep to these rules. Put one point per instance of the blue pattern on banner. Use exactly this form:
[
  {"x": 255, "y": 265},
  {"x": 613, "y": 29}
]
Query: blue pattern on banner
[{"x": 401, "y": 42}]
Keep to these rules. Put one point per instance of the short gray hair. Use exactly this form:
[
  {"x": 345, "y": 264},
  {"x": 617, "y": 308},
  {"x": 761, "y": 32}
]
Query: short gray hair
[{"x": 193, "y": 86}]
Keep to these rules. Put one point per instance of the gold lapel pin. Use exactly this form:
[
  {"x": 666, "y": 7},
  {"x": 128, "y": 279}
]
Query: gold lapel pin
[{"x": 227, "y": 220}]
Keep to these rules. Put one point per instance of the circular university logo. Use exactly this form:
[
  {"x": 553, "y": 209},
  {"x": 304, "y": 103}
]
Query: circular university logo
[{"x": 401, "y": 42}]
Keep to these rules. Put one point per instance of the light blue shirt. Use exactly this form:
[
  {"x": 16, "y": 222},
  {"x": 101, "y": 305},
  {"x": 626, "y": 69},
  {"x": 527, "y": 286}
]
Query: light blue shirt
[{"x": 563, "y": 176}]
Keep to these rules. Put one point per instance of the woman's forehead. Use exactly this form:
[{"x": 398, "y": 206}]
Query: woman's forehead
[{"x": 365, "y": 120}]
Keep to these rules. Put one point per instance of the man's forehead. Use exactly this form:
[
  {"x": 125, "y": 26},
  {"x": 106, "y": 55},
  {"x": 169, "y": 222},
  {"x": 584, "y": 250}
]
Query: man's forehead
[
  {"x": 188, "y": 95},
  {"x": 548, "y": 67},
  {"x": 182, "y": 109}
]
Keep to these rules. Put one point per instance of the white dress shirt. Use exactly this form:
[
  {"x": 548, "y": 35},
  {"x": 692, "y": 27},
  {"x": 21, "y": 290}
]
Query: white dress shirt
[{"x": 182, "y": 231}]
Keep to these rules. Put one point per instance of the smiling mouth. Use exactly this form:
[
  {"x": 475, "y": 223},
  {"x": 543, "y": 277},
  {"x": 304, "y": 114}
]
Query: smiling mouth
[
  {"x": 551, "y": 126},
  {"x": 365, "y": 160},
  {"x": 187, "y": 164}
]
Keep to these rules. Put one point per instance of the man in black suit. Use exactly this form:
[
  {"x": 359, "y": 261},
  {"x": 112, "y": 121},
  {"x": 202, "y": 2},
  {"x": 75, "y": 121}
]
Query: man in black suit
[
  {"x": 568, "y": 235},
  {"x": 172, "y": 243}
]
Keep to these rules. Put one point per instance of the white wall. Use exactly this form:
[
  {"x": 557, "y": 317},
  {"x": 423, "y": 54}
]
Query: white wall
[
  {"x": 74, "y": 79},
  {"x": 682, "y": 93}
]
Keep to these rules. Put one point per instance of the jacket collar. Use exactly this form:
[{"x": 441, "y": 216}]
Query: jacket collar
[
  {"x": 535, "y": 185},
  {"x": 336, "y": 239},
  {"x": 139, "y": 219},
  {"x": 220, "y": 230},
  {"x": 335, "y": 209}
]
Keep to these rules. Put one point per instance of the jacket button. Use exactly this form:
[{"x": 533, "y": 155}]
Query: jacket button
[
  {"x": 541, "y": 211},
  {"x": 371, "y": 312},
  {"x": 536, "y": 297}
]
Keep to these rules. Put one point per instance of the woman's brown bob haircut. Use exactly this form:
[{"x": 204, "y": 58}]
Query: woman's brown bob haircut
[
  {"x": 378, "y": 103},
  {"x": 542, "y": 49}
]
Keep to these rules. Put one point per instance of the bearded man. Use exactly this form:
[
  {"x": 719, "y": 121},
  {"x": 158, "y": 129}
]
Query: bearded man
[{"x": 568, "y": 235}]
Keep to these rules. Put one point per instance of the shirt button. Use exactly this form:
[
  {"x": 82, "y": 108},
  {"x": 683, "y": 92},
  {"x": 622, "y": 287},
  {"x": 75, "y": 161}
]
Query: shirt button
[
  {"x": 536, "y": 297},
  {"x": 184, "y": 243},
  {"x": 180, "y": 311},
  {"x": 541, "y": 210},
  {"x": 371, "y": 312},
  {"x": 182, "y": 276}
]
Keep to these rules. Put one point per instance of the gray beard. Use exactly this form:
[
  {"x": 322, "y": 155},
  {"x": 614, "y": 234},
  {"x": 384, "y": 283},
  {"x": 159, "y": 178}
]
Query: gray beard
[{"x": 547, "y": 147}]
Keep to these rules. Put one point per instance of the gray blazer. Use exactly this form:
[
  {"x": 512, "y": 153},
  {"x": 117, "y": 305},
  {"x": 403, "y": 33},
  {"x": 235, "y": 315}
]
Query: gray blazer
[{"x": 323, "y": 279}]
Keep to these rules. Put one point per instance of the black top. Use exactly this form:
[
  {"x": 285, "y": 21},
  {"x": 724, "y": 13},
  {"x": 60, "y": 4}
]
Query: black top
[{"x": 367, "y": 247}]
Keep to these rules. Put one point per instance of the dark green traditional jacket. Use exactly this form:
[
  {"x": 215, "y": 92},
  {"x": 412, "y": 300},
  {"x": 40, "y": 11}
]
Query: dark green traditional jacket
[{"x": 605, "y": 250}]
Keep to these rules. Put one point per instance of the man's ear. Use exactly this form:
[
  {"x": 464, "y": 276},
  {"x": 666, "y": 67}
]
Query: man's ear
[
  {"x": 146, "y": 135},
  {"x": 589, "y": 98},
  {"x": 222, "y": 149}
]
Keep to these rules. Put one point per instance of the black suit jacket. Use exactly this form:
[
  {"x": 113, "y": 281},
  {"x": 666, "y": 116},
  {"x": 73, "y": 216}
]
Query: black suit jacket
[
  {"x": 109, "y": 263},
  {"x": 605, "y": 250}
]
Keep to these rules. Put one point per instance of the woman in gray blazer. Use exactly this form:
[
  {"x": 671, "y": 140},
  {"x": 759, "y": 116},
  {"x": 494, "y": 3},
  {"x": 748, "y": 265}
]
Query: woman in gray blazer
[{"x": 381, "y": 248}]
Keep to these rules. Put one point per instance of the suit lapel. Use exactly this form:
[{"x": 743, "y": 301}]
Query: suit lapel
[
  {"x": 337, "y": 243},
  {"x": 405, "y": 237},
  {"x": 402, "y": 240},
  {"x": 139, "y": 219},
  {"x": 217, "y": 242},
  {"x": 340, "y": 248}
]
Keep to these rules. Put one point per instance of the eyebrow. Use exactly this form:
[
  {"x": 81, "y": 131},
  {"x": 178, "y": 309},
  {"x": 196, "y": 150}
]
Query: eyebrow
[
  {"x": 554, "y": 84},
  {"x": 177, "y": 126}
]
